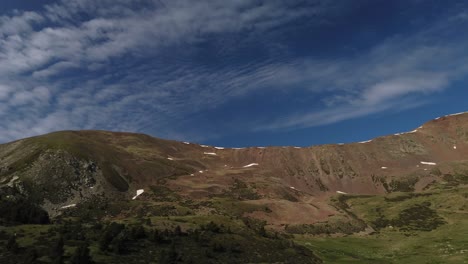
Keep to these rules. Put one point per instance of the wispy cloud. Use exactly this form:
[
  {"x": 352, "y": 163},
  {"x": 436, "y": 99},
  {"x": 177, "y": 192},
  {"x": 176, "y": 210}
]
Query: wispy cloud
[
  {"x": 394, "y": 75},
  {"x": 63, "y": 67},
  {"x": 131, "y": 65}
]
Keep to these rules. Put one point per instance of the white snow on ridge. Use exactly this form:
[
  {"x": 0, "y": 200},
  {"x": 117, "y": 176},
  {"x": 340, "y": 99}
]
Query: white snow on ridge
[
  {"x": 367, "y": 141},
  {"x": 186, "y": 143},
  {"x": 297, "y": 147},
  {"x": 250, "y": 165},
  {"x": 204, "y": 146},
  {"x": 428, "y": 163},
  {"x": 237, "y": 148},
  {"x": 218, "y": 147},
  {"x": 403, "y": 133},
  {"x": 138, "y": 193},
  {"x": 461, "y": 113},
  {"x": 68, "y": 206},
  {"x": 210, "y": 153},
  {"x": 340, "y": 192}
]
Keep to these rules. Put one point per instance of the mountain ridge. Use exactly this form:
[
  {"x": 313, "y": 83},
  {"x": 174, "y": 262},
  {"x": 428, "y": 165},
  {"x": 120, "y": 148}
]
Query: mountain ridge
[
  {"x": 255, "y": 196},
  {"x": 124, "y": 162}
]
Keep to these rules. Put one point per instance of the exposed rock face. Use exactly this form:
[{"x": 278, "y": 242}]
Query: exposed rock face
[{"x": 63, "y": 168}]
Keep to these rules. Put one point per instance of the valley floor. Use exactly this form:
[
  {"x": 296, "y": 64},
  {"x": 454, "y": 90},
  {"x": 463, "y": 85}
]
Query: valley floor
[
  {"x": 426, "y": 227},
  {"x": 408, "y": 243}
]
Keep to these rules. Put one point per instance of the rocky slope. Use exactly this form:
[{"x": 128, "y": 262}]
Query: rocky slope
[{"x": 62, "y": 169}]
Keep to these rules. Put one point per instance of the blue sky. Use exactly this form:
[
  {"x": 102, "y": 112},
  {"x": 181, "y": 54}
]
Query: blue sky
[{"x": 231, "y": 73}]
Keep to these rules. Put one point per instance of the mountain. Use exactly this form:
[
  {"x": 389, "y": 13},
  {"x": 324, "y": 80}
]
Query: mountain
[{"x": 267, "y": 194}]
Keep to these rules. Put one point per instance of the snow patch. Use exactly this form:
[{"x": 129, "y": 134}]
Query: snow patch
[
  {"x": 200, "y": 171},
  {"x": 367, "y": 141},
  {"x": 250, "y": 165},
  {"x": 404, "y": 133},
  {"x": 218, "y": 147},
  {"x": 294, "y": 188},
  {"x": 428, "y": 163},
  {"x": 261, "y": 147},
  {"x": 204, "y": 146},
  {"x": 186, "y": 143},
  {"x": 340, "y": 192},
  {"x": 170, "y": 158},
  {"x": 461, "y": 113},
  {"x": 297, "y": 147},
  {"x": 68, "y": 206},
  {"x": 237, "y": 148},
  {"x": 138, "y": 193},
  {"x": 12, "y": 181},
  {"x": 192, "y": 174},
  {"x": 454, "y": 147},
  {"x": 210, "y": 153},
  {"x": 384, "y": 168}
]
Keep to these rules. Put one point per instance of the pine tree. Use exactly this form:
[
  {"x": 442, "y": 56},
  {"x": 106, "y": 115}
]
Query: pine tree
[
  {"x": 169, "y": 256},
  {"x": 178, "y": 231},
  {"x": 12, "y": 245},
  {"x": 138, "y": 232},
  {"x": 57, "y": 251},
  {"x": 31, "y": 256},
  {"x": 81, "y": 255},
  {"x": 111, "y": 231},
  {"x": 58, "y": 260}
]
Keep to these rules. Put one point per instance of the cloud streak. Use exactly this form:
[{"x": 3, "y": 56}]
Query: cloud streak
[
  {"x": 58, "y": 66},
  {"x": 134, "y": 66}
]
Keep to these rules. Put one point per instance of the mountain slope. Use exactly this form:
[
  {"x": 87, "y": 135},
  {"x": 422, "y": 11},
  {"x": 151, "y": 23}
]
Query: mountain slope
[
  {"x": 196, "y": 197},
  {"x": 70, "y": 165}
]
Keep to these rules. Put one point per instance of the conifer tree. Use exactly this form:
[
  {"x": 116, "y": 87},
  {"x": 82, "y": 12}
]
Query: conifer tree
[{"x": 81, "y": 255}]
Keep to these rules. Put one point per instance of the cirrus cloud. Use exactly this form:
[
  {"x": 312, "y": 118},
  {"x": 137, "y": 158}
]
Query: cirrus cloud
[{"x": 144, "y": 66}]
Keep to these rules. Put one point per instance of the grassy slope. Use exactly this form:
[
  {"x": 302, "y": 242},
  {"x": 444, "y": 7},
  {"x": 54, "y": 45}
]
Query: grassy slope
[
  {"x": 445, "y": 244},
  {"x": 239, "y": 240},
  {"x": 123, "y": 157}
]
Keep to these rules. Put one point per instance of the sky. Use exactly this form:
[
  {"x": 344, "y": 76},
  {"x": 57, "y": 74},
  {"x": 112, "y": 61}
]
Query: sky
[{"x": 232, "y": 73}]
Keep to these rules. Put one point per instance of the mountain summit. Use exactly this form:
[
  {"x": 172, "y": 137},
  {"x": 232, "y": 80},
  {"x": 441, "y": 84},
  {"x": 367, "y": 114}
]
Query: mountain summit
[{"x": 113, "y": 175}]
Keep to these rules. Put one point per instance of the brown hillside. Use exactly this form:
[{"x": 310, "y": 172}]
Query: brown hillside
[{"x": 294, "y": 183}]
